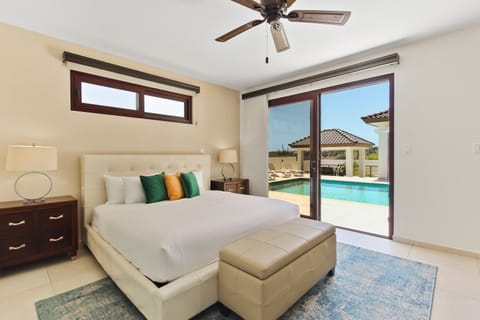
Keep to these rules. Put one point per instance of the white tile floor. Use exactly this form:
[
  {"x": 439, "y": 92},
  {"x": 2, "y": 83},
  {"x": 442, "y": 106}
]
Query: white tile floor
[
  {"x": 21, "y": 287},
  {"x": 457, "y": 293}
]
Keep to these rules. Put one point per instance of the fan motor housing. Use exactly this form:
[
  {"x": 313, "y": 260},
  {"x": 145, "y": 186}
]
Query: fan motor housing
[{"x": 272, "y": 11}]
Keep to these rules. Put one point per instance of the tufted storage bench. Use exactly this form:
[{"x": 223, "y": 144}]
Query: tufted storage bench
[{"x": 261, "y": 276}]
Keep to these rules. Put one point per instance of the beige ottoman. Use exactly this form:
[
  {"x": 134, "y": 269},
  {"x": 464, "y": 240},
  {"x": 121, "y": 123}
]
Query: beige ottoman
[{"x": 263, "y": 275}]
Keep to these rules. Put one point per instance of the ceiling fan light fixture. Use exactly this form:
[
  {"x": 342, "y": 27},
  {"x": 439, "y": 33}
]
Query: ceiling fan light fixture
[{"x": 279, "y": 36}]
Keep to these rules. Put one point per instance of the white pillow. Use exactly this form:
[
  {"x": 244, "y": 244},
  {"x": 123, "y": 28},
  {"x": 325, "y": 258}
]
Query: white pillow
[
  {"x": 133, "y": 190},
  {"x": 115, "y": 189},
  {"x": 199, "y": 175}
]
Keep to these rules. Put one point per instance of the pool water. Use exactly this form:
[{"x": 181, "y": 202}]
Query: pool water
[{"x": 373, "y": 193}]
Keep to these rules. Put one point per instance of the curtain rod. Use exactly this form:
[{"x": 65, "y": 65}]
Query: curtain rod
[
  {"x": 377, "y": 62},
  {"x": 86, "y": 61}
]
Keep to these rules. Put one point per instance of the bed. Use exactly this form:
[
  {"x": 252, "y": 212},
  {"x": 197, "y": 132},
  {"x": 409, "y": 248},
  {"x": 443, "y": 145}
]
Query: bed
[{"x": 189, "y": 290}]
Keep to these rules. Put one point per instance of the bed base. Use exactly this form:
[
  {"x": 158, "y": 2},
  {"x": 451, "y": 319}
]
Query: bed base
[{"x": 179, "y": 299}]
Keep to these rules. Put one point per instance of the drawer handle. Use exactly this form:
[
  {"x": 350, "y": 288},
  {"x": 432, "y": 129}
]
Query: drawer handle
[
  {"x": 17, "y": 248},
  {"x": 241, "y": 188},
  {"x": 56, "y": 218},
  {"x": 14, "y": 224},
  {"x": 56, "y": 239}
]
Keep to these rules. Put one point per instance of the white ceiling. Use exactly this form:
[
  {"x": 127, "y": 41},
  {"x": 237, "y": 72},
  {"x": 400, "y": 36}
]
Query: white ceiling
[{"x": 178, "y": 35}]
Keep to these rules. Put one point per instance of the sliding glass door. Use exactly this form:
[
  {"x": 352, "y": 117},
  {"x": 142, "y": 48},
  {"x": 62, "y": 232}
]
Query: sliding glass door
[
  {"x": 331, "y": 152},
  {"x": 292, "y": 171},
  {"x": 354, "y": 155}
]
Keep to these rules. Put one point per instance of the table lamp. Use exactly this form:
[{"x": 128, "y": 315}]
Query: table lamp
[
  {"x": 228, "y": 157},
  {"x": 32, "y": 159}
]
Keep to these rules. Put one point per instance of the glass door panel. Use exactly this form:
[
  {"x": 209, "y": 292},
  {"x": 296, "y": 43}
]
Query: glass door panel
[
  {"x": 354, "y": 157},
  {"x": 289, "y": 161}
]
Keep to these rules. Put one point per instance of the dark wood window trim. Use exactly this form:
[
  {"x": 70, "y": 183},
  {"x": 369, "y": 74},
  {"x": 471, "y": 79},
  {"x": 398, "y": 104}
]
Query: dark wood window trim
[{"x": 76, "y": 79}]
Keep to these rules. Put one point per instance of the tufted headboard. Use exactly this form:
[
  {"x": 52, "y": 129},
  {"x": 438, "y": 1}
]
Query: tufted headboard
[{"x": 95, "y": 166}]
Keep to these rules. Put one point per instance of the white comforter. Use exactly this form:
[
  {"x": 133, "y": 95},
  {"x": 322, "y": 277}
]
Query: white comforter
[{"x": 168, "y": 239}]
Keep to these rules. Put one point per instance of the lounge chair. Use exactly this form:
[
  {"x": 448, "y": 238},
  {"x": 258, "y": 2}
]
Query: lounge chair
[
  {"x": 296, "y": 172},
  {"x": 279, "y": 173}
]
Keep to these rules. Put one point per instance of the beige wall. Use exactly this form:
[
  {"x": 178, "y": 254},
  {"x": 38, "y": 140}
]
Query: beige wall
[
  {"x": 35, "y": 108},
  {"x": 436, "y": 174}
]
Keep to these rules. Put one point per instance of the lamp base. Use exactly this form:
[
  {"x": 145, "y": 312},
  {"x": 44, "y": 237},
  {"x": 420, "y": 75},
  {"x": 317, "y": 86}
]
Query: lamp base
[
  {"x": 41, "y": 199},
  {"x": 223, "y": 172},
  {"x": 27, "y": 201}
]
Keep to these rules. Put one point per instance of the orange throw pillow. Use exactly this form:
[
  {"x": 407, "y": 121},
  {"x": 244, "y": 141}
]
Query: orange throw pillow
[{"x": 174, "y": 187}]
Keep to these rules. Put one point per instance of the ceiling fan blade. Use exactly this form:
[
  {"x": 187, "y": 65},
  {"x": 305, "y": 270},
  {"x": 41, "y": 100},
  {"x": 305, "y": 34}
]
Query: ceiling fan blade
[
  {"x": 290, "y": 2},
  {"x": 279, "y": 36},
  {"x": 319, "y": 16},
  {"x": 237, "y": 31},
  {"x": 251, "y": 4}
]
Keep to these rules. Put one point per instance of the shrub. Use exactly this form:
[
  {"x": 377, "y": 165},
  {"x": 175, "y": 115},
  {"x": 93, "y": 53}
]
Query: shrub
[
  {"x": 282, "y": 153},
  {"x": 372, "y": 156}
]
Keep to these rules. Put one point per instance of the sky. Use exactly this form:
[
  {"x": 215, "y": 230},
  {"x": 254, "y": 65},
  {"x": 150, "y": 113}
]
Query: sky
[
  {"x": 125, "y": 99},
  {"x": 340, "y": 110}
]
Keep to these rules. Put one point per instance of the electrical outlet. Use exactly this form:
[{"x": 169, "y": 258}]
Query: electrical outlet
[{"x": 476, "y": 147}]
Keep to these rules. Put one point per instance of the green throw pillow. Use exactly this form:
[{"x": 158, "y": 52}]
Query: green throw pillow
[
  {"x": 189, "y": 184},
  {"x": 154, "y": 188}
]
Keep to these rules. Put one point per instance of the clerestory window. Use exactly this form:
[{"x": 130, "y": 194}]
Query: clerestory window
[{"x": 92, "y": 93}]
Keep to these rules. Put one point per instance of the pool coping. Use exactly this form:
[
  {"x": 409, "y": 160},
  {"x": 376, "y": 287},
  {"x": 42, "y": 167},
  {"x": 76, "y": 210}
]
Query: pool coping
[{"x": 373, "y": 180}]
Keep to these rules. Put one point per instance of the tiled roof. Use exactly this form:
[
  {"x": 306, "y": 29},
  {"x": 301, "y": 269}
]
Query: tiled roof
[
  {"x": 301, "y": 143},
  {"x": 377, "y": 117},
  {"x": 333, "y": 138}
]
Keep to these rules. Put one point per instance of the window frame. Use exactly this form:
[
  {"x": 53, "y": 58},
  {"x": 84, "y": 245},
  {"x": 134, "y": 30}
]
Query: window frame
[{"x": 77, "y": 78}]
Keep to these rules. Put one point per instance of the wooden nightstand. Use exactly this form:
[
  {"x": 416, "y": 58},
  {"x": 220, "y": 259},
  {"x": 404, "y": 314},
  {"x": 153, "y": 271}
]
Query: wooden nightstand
[
  {"x": 234, "y": 185},
  {"x": 35, "y": 231}
]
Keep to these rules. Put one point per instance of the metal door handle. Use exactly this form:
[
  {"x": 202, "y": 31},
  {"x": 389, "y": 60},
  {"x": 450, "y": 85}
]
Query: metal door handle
[{"x": 313, "y": 166}]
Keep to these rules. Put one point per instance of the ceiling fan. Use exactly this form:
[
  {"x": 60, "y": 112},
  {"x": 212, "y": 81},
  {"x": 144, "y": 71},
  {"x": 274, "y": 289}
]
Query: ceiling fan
[{"x": 273, "y": 10}]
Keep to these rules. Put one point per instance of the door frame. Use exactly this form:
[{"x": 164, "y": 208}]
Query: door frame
[
  {"x": 390, "y": 77},
  {"x": 315, "y": 113}
]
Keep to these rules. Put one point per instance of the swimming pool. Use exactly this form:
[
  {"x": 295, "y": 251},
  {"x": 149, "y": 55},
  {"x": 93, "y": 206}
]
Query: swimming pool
[{"x": 373, "y": 193}]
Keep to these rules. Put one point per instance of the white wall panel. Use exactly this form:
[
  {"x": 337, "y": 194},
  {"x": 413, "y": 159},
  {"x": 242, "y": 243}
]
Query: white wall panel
[
  {"x": 254, "y": 144},
  {"x": 437, "y": 109}
]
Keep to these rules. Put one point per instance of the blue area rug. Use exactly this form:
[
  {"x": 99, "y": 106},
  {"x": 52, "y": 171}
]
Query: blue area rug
[{"x": 367, "y": 286}]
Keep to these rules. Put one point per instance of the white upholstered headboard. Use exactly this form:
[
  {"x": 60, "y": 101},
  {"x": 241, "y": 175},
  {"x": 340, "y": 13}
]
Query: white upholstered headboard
[{"x": 95, "y": 166}]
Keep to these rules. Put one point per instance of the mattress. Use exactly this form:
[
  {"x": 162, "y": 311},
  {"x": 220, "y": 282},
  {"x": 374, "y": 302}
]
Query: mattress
[{"x": 168, "y": 239}]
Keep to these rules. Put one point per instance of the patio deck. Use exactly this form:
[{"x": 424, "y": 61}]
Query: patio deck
[{"x": 348, "y": 214}]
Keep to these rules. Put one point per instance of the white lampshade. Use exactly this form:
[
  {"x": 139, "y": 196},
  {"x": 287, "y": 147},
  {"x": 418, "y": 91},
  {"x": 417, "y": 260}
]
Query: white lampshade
[
  {"x": 228, "y": 156},
  {"x": 31, "y": 158}
]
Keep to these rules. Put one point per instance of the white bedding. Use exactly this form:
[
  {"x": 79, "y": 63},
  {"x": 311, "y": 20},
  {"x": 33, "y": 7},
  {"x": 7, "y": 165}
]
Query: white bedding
[{"x": 168, "y": 239}]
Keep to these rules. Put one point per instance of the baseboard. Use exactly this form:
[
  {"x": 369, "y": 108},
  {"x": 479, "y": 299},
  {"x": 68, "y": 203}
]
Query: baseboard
[{"x": 426, "y": 245}]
